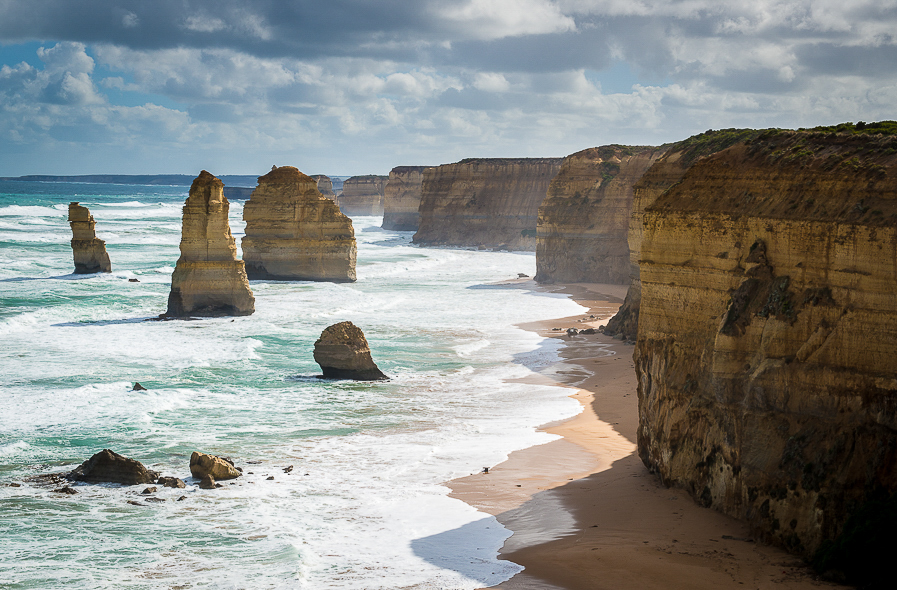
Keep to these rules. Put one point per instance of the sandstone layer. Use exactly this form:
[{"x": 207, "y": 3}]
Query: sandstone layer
[
  {"x": 363, "y": 195},
  {"x": 489, "y": 202},
  {"x": 293, "y": 233},
  {"x": 88, "y": 250},
  {"x": 768, "y": 332},
  {"x": 325, "y": 186},
  {"x": 583, "y": 225},
  {"x": 664, "y": 173},
  {"x": 110, "y": 467},
  {"x": 342, "y": 351},
  {"x": 401, "y": 199},
  {"x": 208, "y": 279}
]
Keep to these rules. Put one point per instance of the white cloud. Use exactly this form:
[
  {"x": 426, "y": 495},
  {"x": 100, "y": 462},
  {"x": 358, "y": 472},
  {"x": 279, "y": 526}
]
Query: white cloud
[
  {"x": 491, "y": 82},
  {"x": 496, "y": 19}
]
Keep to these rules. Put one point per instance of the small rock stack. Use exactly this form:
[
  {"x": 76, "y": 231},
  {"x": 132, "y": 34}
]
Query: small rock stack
[
  {"x": 88, "y": 250},
  {"x": 343, "y": 353}
]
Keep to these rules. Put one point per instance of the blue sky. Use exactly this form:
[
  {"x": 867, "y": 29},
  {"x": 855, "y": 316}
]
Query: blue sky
[{"x": 360, "y": 86}]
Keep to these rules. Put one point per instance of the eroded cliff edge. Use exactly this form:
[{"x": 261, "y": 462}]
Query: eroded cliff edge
[
  {"x": 768, "y": 332},
  {"x": 401, "y": 198},
  {"x": 362, "y": 195},
  {"x": 490, "y": 202},
  {"x": 583, "y": 224}
]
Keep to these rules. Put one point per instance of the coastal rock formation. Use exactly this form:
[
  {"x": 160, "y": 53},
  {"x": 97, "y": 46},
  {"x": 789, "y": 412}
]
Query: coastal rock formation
[
  {"x": 325, "y": 186},
  {"x": 401, "y": 199},
  {"x": 768, "y": 332},
  {"x": 293, "y": 233},
  {"x": 88, "y": 250},
  {"x": 363, "y": 195},
  {"x": 664, "y": 173},
  {"x": 208, "y": 279},
  {"x": 110, "y": 467},
  {"x": 491, "y": 202},
  {"x": 343, "y": 353},
  {"x": 202, "y": 465},
  {"x": 583, "y": 226}
]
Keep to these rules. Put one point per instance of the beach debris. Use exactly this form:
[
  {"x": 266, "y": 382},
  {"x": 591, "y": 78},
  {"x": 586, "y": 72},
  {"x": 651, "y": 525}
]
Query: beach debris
[
  {"x": 270, "y": 478},
  {"x": 342, "y": 351},
  {"x": 202, "y": 464},
  {"x": 485, "y": 470},
  {"x": 150, "y": 490},
  {"x": 521, "y": 275},
  {"x": 572, "y": 331},
  {"x": 287, "y": 469},
  {"x": 557, "y": 329},
  {"x": 171, "y": 482},
  {"x": 138, "y": 387},
  {"x": 110, "y": 467},
  {"x": 207, "y": 482},
  {"x": 65, "y": 490}
]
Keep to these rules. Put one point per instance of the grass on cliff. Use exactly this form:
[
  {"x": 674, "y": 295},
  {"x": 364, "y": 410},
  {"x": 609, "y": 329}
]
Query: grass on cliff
[
  {"x": 711, "y": 142},
  {"x": 859, "y": 128}
]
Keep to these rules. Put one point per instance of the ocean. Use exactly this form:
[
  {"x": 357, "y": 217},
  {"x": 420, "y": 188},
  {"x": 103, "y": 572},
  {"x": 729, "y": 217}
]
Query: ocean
[{"x": 365, "y": 505}]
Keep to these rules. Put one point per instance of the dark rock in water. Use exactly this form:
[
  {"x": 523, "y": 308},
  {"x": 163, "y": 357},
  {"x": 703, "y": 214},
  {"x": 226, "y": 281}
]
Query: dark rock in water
[
  {"x": 110, "y": 467},
  {"x": 207, "y": 483},
  {"x": 14, "y": 485},
  {"x": 139, "y": 387},
  {"x": 287, "y": 469},
  {"x": 343, "y": 353},
  {"x": 270, "y": 478},
  {"x": 133, "y": 280},
  {"x": 182, "y": 498},
  {"x": 521, "y": 275},
  {"x": 171, "y": 482},
  {"x": 135, "y": 503},
  {"x": 65, "y": 490},
  {"x": 150, "y": 490},
  {"x": 155, "y": 499},
  {"x": 572, "y": 331}
]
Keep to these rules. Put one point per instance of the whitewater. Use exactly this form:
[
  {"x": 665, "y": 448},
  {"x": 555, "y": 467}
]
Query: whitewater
[{"x": 365, "y": 505}]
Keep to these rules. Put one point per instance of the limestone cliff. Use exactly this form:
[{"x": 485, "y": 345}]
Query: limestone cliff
[
  {"x": 208, "y": 279},
  {"x": 325, "y": 186},
  {"x": 88, "y": 250},
  {"x": 293, "y": 233},
  {"x": 768, "y": 331},
  {"x": 491, "y": 202},
  {"x": 583, "y": 225},
  {"x": 401, "y": 199},
  {"x": 664, "y": 173},
  {"x": 362, "y": 195}
]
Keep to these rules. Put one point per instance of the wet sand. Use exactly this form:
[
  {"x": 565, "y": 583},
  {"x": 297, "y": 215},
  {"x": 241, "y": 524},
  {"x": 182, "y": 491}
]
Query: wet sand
[{"x": 584, "y": 510}]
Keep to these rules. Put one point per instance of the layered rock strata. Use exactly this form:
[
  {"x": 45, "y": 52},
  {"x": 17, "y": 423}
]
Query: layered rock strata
[
  {"x": 110, "y": 467},
  {"x": 490, "y": 202},
  {"x": 325, "y": 186},
  {"x": 88, "y": 250},
  {"x": 401, "y": 199},
  {"x": 768, "y": 332},
  {"x": 293, "y": 233},
  {"x": 664, "y": 173},
  {"x": 363, "y": 195},
  {"x": 208, "y": 279},
  {"x": 583, "y": 226},
  {"x": 342, "y": 351}
]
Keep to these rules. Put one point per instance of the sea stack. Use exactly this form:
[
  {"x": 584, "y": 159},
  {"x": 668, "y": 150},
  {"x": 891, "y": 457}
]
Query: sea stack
[
  {"x": 363, "y": 195},
  {"x": 89, "y": 251},
  {"x": 325, "y": 186},
  {"x": 293, "y": 233},
  {"x": 401, "y": 198},
  {"x": 208, "y": 279},
  {"x": 343, "y": 353}
]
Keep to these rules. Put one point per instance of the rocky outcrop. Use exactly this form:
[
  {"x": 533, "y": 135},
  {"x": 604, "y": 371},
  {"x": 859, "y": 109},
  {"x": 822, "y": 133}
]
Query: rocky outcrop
[
  {"x": 768, "y": 332},
  {"x": 401, "y": 199},
  {"x": 325, "y": 186},
  {"x": 363, "y": 195},
  {"x": 664, "y": 173},
  {"x": 293, "y": 233},
  {"x": 343, "y": 353},
  {"x": 484, "y": 202},
  {"x": 202, "y": 465},
  {"x": 208, "y": 279},
  {"x": 110, "y": 467},
  {"x": 88, "y": 250},
  {"x": 583, "y": 225}
]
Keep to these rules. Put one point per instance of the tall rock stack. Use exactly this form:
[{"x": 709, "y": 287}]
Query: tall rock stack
[
  {"x": 584, "y": 220},
  {"x": 208, "y": 279},
  {"x": 293, "y": 233},
  {"x": 89, "y": 251},
  {"x": 363, "y": 195},
  {"x": 401, "y": 198},
  {"x": 488, "y": 202},
  {"x": 325, "y": 186},
  {"x": 768, "y": 332}
]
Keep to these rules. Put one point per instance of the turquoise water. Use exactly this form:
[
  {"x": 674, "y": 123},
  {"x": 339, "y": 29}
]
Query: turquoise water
[{"x": 364, "y": 506}]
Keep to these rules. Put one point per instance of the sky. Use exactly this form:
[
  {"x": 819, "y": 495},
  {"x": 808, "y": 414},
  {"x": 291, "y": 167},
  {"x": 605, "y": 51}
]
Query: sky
[{"x": 344, "y": 87}]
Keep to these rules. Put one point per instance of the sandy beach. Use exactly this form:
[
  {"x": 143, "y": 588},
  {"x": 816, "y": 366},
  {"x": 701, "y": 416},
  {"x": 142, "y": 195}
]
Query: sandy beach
[{"x": 585, "y": 512}]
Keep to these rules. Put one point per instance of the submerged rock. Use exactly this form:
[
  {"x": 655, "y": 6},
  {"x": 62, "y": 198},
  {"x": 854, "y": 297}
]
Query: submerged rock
[
  {"x": 110, "y": 467},
  {"x": 343, "y": 353},
  {"x": 202, "y": 464},
  {"x": 208, "y": 279},
  {"x": 89, "y": 251}
]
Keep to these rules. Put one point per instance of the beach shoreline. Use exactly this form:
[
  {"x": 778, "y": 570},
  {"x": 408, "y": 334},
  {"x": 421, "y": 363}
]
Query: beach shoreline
[{"x": 584, "y": 511}]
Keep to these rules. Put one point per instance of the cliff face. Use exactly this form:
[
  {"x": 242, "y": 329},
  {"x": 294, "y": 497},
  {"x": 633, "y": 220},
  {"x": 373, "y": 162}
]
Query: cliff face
[
  {"x": 484, "y": 202},
  {"x": 664, "y": 173},
  {"x": 401, "y": 199},
  {"x": 89, "y": 251},
  {"x": 293, "y": 233},
  {"x": 768, "y": 332},
  {"x": 363, "y": 195},
  {"x": 583, "y": 225},
  {"x": 325, "y": 186},
  {"x": 208, "y": 279}
]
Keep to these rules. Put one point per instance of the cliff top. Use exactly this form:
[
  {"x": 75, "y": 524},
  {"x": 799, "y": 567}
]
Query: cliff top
[
  {"x": 365, "y": 177},
  {"x": 285, "y": 174},
  {"x": 605, "y": 152},
  {"x": 506, "y": 161},
  {"x": 407, "y": 169}
]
